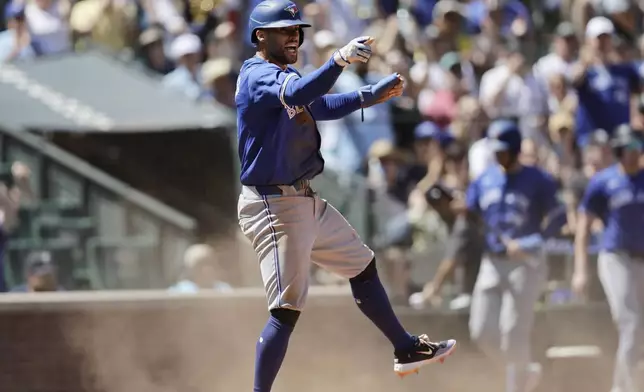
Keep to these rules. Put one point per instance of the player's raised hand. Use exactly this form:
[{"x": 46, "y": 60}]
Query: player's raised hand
[
  {"x": 384, "y": 90},
  {"x": 359, "y": 49}
]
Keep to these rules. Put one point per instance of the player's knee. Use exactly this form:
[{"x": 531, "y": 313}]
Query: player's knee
[
  {"x": 286, "y": 316},
  {"x": 367, "y": 274}
]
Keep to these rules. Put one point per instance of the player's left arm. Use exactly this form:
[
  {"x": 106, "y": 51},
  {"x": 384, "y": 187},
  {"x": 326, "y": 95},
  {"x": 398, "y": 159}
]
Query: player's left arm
[{"x": 335, "y": 106}]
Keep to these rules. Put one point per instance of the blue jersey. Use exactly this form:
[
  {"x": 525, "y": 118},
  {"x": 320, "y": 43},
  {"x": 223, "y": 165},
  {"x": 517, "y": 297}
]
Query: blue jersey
[
  {"x": 279, "y": 142},
  {"x": 513, "y": 206},
  {"x": 618, "y": 200},
  {"x": 604, "y": 98}
]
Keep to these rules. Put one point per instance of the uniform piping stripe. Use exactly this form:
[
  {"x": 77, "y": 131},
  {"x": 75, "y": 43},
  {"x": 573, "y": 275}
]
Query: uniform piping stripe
[
  {"x": 275, "y": 251},
  {"x": 283, "y": 88}
]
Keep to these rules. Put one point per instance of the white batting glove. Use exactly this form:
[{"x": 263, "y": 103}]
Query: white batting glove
[{"x": 359, "y": 49}]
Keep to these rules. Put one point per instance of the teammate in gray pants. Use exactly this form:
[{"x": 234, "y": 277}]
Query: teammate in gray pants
[
  {"x": 616, "y": 196},
  {"x": 513, "y": 202}
]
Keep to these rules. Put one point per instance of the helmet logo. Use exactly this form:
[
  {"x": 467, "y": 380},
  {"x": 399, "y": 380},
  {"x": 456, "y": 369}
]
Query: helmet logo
[{"x": 292, "y": 9}]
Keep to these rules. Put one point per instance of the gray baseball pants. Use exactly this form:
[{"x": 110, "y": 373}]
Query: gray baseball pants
[
  {"x": 289, "y": 232},
  {"x": 502, "y": 313},
  {"x": 623, "y": 280}
]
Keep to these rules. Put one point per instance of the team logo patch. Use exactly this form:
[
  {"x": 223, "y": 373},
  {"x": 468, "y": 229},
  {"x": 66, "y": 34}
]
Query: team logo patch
[{"x": 292, "y": 9}]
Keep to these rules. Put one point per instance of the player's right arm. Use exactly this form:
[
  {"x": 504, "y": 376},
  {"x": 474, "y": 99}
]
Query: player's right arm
[
  {"x": 591, "y": 206},
  {"x": 270, "y": 86}
]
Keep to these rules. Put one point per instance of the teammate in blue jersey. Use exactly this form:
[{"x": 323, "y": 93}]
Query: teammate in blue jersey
[
  {"x": 287, "y": 223},
  {"x": 604, "y": 85},
  {"x": 615, "y": 195},
  {"x": 514, "y": 202}
]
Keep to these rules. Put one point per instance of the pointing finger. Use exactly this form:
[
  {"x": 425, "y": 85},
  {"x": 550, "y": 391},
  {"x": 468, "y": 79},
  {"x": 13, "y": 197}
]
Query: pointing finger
[{"x": 366, "y": 40}]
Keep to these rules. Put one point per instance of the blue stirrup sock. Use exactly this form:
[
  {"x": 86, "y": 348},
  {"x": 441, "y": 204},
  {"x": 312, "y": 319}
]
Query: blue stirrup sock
[
  {"x": 372, "y": 300},
  {"x": 270, "y": 352}
]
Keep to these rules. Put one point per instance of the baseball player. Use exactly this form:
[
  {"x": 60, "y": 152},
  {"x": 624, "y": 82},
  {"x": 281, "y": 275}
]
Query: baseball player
[
  {"x": 513, "y": 202},
  {"x": 615, "y": 195},
  {"x": 287, "y": 223}
]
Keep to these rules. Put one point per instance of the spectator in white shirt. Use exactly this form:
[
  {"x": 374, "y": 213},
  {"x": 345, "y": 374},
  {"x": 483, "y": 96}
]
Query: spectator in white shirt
[
  {"x": 565, "y": 48},
  {"x": 511, "y": 90},
  {"x": 49, "y": 26},
  {"x": 186, "y": 78}
]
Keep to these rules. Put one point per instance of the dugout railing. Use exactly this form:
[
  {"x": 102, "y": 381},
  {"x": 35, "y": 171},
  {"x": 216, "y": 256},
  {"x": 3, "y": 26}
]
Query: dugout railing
[{"x": 77, "y": 207}]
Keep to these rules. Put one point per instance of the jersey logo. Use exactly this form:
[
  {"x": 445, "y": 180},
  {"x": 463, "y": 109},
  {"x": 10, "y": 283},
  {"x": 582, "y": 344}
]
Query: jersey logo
[
  {"x": 292, "y": 9},
  {"x": 602, "y": 81},
  {"x": 293, "y": 111}
]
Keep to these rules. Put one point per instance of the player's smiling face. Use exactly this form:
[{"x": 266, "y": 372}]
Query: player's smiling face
[{"x": 282, "y": 45}]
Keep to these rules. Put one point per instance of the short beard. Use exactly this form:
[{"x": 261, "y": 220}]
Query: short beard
[{"x": 280, "y": 58}]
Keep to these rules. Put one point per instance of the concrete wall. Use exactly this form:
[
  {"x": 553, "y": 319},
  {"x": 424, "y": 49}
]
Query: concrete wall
[{"x": 153, "y": 342}]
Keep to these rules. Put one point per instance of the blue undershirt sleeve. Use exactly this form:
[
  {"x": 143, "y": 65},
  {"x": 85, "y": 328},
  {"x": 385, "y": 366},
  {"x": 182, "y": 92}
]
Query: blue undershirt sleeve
[{"x": 335, "y": 106}]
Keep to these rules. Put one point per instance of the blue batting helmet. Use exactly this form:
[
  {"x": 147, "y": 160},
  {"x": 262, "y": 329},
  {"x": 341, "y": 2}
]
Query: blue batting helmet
[
  {"x": 504, "y": 135},
  {"x": 275, "y": 14}
]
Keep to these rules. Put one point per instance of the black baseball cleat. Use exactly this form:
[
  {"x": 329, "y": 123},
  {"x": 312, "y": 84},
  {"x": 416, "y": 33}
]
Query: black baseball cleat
[{"x": 423, "y": 353}]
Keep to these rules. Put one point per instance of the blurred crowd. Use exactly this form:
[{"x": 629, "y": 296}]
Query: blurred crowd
[
  {"x": 465, "y": 63},
  {"x": 569, "y": 72},
  {"x": 190, "y": 44}
]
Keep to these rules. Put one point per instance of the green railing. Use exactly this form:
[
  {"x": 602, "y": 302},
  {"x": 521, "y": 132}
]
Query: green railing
[{"x": 102, "y": 233}]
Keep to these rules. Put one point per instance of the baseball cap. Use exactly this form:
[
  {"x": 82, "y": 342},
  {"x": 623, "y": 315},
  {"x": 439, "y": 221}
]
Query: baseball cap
[
  {"x": 150, "y": 36},
  {"x": 599, "y": 137},
  {"x": 445, "y": 7},
  {"x": 185, "y": 44},
  {"x": 599, "y": 25},
  {"x": 496, "y": 145},
  {"x": 565, "y": 30},
  {"x": 39, "y": 263},
  {"x": 450, "y": 60},
  {"x": 503, "y": 135},
  {"x": 426, "y": 130},
  {"x": 429, "y": 130}
]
